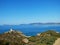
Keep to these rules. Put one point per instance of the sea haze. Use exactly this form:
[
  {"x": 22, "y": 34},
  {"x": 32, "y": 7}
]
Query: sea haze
[{"x": 30, "y": 29}]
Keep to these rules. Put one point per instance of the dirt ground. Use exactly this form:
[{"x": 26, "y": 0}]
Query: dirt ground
[{"x": 57, "y": 42}]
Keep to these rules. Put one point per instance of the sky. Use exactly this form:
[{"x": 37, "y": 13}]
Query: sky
[{"x": 29, "y": 11}]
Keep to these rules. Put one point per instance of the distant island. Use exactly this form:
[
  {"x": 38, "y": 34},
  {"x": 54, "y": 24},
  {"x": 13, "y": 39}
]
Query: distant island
[
  {"x": 36, "y": 24},
  {"x": 13, "y": 37},
  {"x": 43, "y": 23}
]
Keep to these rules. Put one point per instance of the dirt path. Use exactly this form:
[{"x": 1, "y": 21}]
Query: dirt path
[{"x": 57, "y": 42}]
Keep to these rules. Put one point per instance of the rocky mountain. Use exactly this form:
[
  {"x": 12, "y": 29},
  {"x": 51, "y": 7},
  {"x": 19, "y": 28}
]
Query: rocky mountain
[{"x": 13, "y": 37}]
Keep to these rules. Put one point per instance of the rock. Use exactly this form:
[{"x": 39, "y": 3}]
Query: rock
[
  {"x": 38, "y": 34},
  {"x": 25, "y": 40}
]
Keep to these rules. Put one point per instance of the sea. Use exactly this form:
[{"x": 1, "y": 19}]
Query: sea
[{"x": 30, "y": 30}]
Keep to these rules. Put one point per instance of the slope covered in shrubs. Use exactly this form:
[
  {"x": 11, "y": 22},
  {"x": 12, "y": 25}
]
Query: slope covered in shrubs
[{"x": 18, "y": 38}]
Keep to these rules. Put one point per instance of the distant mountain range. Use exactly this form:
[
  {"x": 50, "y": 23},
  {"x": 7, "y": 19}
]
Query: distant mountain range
[
  {"x": 35, "y": 24},
  {"x": 44, "y": 23}
]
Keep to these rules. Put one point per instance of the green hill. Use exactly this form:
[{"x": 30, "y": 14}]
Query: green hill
[{"x": 18, "y": 38}]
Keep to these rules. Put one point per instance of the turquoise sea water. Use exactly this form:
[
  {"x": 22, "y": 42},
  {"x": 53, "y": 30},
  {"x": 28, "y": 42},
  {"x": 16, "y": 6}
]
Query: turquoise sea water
[{"x": 30, "y": 30}]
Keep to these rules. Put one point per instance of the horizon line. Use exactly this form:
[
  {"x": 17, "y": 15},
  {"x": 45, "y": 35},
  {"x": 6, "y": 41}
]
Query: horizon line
[{"x": 33, "y": 23}]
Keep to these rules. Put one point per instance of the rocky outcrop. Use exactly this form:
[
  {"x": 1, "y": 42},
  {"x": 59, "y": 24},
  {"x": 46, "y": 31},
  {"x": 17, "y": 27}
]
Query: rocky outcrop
[{"x": 25, "y": 40}]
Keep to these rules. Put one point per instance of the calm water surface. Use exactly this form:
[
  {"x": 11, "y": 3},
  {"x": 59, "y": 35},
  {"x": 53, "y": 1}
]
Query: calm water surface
[{"x": 30, "y": 30}]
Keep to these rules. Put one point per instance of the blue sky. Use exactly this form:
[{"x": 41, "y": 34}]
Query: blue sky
[{"x": 29, "y": 11}]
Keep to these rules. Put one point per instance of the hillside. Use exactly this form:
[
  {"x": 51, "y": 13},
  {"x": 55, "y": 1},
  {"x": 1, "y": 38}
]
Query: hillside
[
  {"x": 13, "y": 37},
  {"x": 45, "y": 38}
]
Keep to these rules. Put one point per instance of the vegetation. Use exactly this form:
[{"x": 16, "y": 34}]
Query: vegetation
[{"x": 15, "y": 38}]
